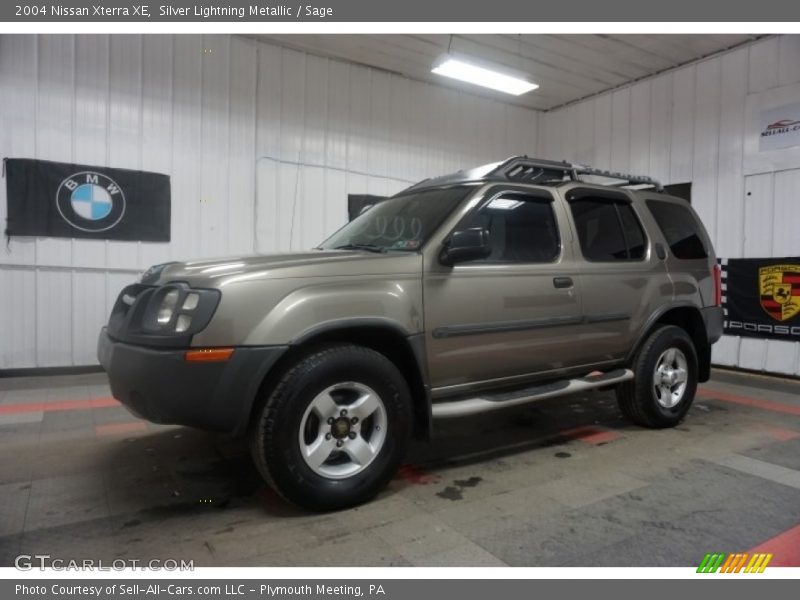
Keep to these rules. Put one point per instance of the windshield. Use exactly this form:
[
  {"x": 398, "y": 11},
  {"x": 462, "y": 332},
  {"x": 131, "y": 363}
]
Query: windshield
[{"x": 401, "y": 223}]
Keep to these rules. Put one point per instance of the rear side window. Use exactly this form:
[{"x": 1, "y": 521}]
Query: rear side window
[
  {"x": 680, "y": 228},
  {"x": 608, "y": 230}
]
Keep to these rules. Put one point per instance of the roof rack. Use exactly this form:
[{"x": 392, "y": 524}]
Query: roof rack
[{"x": 534, "y": 170}]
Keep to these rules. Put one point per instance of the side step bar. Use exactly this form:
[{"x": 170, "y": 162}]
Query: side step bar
[{"x": 487, "y": 402}]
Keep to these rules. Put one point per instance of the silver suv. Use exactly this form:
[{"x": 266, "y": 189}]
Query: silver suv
[{"x": 477, "y": 291}]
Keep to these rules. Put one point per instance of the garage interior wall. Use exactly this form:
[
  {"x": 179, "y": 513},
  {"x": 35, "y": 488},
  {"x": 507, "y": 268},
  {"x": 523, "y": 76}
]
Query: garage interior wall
[
  {"x": 689, "y": 125},
  {"x": 262, "y": 143}
]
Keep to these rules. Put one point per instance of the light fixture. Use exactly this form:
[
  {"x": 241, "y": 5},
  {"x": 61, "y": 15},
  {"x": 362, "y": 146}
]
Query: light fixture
[{"x": 483, "y": 74}]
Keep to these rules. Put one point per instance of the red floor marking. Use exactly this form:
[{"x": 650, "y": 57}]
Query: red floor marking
[
  {"x": 101, "y": 402},
  {"x": 415, "y": 475},
  {"x": 785, "y": 547},
  {"x": 118, "y": 428},
  {"x": 712, "y": 394},
  {"x": 591, "y": 435},
  {"x": 779, "y": 433}
]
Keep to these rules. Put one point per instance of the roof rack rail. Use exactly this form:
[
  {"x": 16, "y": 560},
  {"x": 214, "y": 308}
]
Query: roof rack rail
[
  {"x": 534, "y": 170},
  {"x": 625, "y": 177}
]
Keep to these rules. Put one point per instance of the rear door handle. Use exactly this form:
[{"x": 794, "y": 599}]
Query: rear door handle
[{"x": 562, "y": 282}]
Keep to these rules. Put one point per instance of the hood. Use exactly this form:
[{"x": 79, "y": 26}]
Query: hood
[{"x": 321, "y": 263}]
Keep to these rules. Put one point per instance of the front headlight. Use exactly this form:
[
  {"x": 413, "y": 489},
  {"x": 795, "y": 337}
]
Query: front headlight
[
  {"x": 176, "y": 308},
  {"x": 166, "y": 315},
  {"x": 167, "y": 308}
]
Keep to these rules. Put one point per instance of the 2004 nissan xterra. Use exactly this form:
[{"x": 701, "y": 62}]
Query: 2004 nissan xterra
[{"x": 467, "y": 293}]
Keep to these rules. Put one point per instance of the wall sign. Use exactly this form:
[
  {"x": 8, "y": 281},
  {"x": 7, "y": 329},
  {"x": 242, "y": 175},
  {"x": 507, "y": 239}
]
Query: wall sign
[
  {"x": 772, "y": 135},
  {"x": 56, "y": 199},
  {"x": 761, "y": 297},
  {"x": 780, "y": 127}
]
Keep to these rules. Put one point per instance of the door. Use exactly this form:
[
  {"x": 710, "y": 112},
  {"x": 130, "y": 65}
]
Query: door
[
  {"x": 513, "y": 314},
  {"x": 624, "y": 279}
]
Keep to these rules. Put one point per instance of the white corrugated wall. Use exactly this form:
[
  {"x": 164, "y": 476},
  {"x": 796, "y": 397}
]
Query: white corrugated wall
[
  {"x": 689, "y": 125},
  {"x": 229, "y": 119}
]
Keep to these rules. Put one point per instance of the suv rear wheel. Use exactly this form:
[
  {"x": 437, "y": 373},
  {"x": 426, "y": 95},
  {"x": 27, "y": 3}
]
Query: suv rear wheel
[
  {"x": 665, "y": 380},
  {"x": 334, "y": 429}
]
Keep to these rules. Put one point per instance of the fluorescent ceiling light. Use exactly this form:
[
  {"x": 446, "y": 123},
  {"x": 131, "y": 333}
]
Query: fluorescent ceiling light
[{"x": 470, "y": 71}]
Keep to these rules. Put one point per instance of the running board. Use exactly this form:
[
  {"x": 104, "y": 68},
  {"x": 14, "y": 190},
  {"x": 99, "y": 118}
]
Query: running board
[{"x": 487, "y": 402}]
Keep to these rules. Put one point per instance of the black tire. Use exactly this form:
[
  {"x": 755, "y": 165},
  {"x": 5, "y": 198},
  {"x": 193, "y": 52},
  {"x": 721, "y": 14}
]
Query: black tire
[
  {"x": 275, "y": 430},
  {"x": 638, "y": 399}
]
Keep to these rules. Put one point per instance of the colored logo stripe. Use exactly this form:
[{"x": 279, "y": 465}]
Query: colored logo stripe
[
  {"x": 711, "y": 563},
  {"x": 758, "y": 563},
  {"x": 734, "y": 563}
]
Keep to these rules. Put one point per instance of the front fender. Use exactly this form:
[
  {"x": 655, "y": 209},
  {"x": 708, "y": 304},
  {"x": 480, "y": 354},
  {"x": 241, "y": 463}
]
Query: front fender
[{"x": 308, "y": 310}]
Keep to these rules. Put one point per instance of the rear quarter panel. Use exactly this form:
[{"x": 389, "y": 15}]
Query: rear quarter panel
[{"x": 693, "y": 280}]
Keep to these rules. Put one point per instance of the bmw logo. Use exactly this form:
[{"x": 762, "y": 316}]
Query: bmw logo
[{"x": 90, "y": 201}]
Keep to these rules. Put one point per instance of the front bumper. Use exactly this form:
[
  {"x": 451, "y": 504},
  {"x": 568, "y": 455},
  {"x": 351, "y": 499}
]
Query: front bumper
[{"x": 160, "y": 386}]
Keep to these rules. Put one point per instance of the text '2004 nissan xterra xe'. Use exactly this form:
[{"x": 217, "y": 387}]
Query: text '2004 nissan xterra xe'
[{"x": 467, "y": 293}]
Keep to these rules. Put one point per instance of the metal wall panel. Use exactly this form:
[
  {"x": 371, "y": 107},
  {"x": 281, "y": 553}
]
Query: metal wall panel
[
  {"x": 156, "y": 137},
  {"x": 242, "y": 132},
  {"x": 262, "y": 144},
  {"x": 681, "y": 144},
  {"x": 640, "y": 121},
  {"x": 660, "y": 126},
  {"x": 17, "y": 317},
  {"x": 124, "y": 125},
  {"x": 55, "y": 318},
  {"x": 758, "y": 220},
  {"x": 602, "y": 131},
  {"x": 214, "y": 148},
  {"x": 730, "y": 181},
  {"x": 705, "y": 156},
  {"x": 55, "y": 124},
  {"x": 89, "y": 313},
  {"x": 91, "y": 122},
  {"x": 18, "y": 84},
  {"x": 788, "y": 65},
  {"x": 693, "y": 130},
  {"x": 186, "y": 145},
  {"x": 621, "y": 130},
  {"x": 764, "y": 65}
]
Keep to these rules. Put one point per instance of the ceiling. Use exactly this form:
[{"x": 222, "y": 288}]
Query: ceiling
[{"x": 567, "y": 67}]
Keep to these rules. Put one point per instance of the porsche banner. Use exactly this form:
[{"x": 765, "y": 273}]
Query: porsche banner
[
  {"x": 761, "y": 297},
  {"x": 55, "y": 199}
]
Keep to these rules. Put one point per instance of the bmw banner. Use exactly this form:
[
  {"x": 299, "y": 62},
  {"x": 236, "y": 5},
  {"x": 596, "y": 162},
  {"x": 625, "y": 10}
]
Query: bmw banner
[
  {"x": 761, "y": 297},
  {"x": 55, "y": 199}
]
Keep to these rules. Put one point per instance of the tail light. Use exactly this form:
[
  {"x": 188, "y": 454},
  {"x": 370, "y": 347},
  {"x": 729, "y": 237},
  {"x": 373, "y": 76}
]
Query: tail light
[{"x": 717, "y": 274}]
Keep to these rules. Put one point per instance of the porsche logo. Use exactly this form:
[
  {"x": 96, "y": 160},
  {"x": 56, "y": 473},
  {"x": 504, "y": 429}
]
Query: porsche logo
[{"x": 779, "y": 290}]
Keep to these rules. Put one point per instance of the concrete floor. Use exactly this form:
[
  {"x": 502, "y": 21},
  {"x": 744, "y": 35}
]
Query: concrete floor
[{"x": 565, "y": 483}]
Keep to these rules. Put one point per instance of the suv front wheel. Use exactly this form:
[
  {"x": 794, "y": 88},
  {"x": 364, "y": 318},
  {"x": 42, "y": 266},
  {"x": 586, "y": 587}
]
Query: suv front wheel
[
  {"x": 334, "y": 429},
  {"x": 665, "y": 380}
]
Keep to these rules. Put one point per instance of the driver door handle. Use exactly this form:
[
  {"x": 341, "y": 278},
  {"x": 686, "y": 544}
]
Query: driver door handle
[{"x": 562, "y": 282}]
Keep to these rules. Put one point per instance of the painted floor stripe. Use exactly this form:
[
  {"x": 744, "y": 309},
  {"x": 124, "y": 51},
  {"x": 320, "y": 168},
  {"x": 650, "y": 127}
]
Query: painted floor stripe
[
  {"x": 762, "y": 469},
  {"x": 591, "y": 435},
  {"x": 785, "y": 547},
  {"x": 27, "y": 407},
  {"x": 779, "y": 433},
  {"x": 712, "y": 394}
]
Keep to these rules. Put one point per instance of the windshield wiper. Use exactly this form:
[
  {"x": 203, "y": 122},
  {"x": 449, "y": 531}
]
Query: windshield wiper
[{"x": 367, "y": 247}]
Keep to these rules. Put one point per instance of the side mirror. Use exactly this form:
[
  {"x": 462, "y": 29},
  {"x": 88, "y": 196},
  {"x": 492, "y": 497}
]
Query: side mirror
[{"x": 464, "y": 245}]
